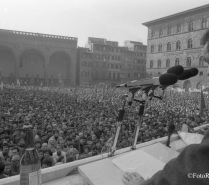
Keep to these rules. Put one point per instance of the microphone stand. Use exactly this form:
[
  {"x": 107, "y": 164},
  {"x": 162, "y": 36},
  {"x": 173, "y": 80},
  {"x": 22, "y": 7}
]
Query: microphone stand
[
  {"x": 171, "y": 130},
  {"x": 119, "y": 122},
  {"x": 140, "y": 113}
]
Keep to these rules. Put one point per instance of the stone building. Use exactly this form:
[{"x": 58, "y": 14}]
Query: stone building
[
  {"x": 36, "y": 58},
  {"x": 176, "y": 40},
  {"x": 103, "y": 61}
]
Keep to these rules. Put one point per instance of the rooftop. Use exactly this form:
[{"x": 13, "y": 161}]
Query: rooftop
[
  {"x": 149, "y": 23},
  {"x": 37, "y": 34}
]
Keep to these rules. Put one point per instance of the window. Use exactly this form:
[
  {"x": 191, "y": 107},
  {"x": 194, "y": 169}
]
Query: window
[
  {"x": 168, "y": 46},
  {"x": 168, "y": 63},
  {"x": 97, "y": 56},
  {"x": 84, "y": 64},
  {"x": 160, "y": 48},
  {"x": 112, "y": 57},
  {"x": 109, "y": 75},
  {"x": 151, "y": 64},
  {"x": 129, "y": 75},
  {"x": 83, "y": 73},
  {"x": 191, "y": 26},
  {"x": 169, "y": 30},
  {"x": 189, "y": 61},
  {"x": 90, "y": 64},
  {"x": 179, "y": 28},
  {"x": 201, "y": 61},
  {"x": 178, "y": 45},
  {"x": 159, "y": 64},
  {"x": 189, "y": 43},
  {"x": 104, "y": 48},
  {"x": 103, "y": 74},
  {"x": 152, "y": 48},
  {"x": 201, "y": 43},
  {"x": 177, "y": 62},
  {"x": 201, "y": 73},
  {"x": 161, "y": 33},
  {"x": 204, "y": 23},
  {"x": 118, "y": 75},
  {"x": 153, "y": 34}
]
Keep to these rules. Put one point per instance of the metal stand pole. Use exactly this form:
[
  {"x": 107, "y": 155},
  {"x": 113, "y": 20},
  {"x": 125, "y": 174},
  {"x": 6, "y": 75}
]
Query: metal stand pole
[
  {"x": 119, "y": 122},
  {"x": 140, "y": 113}
]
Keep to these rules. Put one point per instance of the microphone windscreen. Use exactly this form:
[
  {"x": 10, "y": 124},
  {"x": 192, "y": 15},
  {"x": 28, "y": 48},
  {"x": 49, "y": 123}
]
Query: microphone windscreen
[
  {"x": 168, "y": 79},
  {"x": 194, "y": 71},
  {"x": 177, "y": 70},
  {"x": 185, "y": 75}
]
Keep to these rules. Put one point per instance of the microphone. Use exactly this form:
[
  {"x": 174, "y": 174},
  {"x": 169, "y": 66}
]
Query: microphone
[
  {"x": 177, "y": 70},
  {"x": 194, "y": 71},
  {"x": 122, "y": 85},
  {"x": 188, "y": 74},
  {"x": 165, "y": 80}
]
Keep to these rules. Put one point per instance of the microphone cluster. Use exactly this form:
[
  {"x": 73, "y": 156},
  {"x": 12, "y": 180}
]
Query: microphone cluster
[{"x": 170, "y": 77}]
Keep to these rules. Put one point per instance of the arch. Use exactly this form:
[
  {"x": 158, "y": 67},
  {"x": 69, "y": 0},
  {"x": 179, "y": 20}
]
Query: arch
[
  {"x": 191, "y": 26},
  {"x": 179, "y": 28},
  {"x": 204, "y": 23},
  {"x": 168, "y": 46},
  {"x": 187, "y": 84},
  {"x": 178, "y": 45},
  {"x": 59, "y": 66},
  {"x": 201, "y": 61},
  {"x": 159, "y": 63},
  {"x": 177, "y": 61},
  {"x": 151, "y": 64},
  {"x": 199, "y": 85},
  {"x": 7, "y": 63},
  {"x": 161, "y": 32},
  {"x": 169, "y": 30},
  {"x": 201, "y": 41},
  {"x": 153, "y": 34},
  {"x": 152, "y": 49},
  {"x": 31, "y": 65},
  {"x": 168, "y": 62},
  {"x": 190, "y": 43},
  {"x": 160, "y": 47},
  {"x": 189, "y": 61}
]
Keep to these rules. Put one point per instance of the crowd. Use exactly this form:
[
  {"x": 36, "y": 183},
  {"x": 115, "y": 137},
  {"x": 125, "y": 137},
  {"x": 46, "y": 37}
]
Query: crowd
[{"x": 75, "y": 123}]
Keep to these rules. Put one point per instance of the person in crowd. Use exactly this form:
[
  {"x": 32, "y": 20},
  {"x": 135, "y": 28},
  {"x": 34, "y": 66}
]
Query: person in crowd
[
  {"x": 2, "y": 167},
  {"x": 47, "y": 163},
  {"x": 58, "y": 153}
]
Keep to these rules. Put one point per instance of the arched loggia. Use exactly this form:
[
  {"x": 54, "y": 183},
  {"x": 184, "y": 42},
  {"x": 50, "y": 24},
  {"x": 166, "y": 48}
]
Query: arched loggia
[
  {"x": 31, "y": 67},
  {"x": 187, "y": 85},
  {"x": 7, "y": 64},
  {"x": 58, "y": 70}
]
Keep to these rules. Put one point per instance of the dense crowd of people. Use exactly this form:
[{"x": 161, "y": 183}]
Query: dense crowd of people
[{"x": 75, "y": 123}]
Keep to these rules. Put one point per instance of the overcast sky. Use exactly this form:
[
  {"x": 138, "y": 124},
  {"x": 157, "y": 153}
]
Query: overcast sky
[{"x": 116, "y": 20}]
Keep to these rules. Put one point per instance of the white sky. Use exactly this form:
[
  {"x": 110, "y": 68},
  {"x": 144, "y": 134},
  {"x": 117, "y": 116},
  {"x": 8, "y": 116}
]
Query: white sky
[{"x": 116, "y": 20}]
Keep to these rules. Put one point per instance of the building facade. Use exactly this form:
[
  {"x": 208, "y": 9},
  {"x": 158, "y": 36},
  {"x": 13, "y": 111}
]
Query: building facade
[
  {"x": 36, "y": 58},
  {"x": 106, "y": 62},
  {"x": 176, "y": 40}
]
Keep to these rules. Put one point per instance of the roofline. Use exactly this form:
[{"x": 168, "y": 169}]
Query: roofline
[{"x": 174, "y": 15}]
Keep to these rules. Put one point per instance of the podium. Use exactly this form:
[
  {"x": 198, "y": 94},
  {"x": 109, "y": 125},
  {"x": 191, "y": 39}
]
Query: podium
[{"x": 105, "y": 172}]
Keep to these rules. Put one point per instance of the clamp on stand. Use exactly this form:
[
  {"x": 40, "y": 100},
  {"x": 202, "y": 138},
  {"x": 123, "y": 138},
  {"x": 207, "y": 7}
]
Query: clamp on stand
[{"x": 119, "y": 122}]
